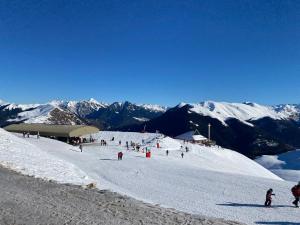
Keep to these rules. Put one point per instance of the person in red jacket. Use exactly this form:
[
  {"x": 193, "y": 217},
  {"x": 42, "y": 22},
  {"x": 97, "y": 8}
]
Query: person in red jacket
[
  {"x": 296, "y": 192},
  {"x": 120, "y": 155},
  {"x": 269, "y": 194}
]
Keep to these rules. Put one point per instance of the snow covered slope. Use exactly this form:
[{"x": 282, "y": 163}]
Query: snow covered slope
[
  {"x": 209, "y": 181},
  {"x": 286, "y": 165},
  {"x": 20, "y": 155},
  {"x": 245, "y": 112}
]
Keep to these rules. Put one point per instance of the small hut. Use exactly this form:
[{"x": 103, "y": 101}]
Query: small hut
[{"x": 193, "y": 137}]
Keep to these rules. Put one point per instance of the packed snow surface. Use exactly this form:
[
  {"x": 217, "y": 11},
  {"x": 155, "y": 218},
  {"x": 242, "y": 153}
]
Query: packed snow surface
[
  {"x": 286, "y": 165},
  {"x": 28, "y": 158},
  {"x": 245, "y": 112},
  {"x": 212, "y": 181}
]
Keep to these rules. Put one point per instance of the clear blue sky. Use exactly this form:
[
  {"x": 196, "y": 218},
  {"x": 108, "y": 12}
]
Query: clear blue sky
[{"x": 155, "y": 51}]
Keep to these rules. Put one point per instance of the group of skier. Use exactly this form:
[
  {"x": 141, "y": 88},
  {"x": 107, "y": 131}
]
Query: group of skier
[
  {"x": 103, "y": 143},
  {"x": 295, "y": 191}
]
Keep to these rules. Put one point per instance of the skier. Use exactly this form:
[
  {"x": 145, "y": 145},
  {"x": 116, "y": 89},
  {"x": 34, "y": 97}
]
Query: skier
[
  {"x": 120, "y": 142},
  {"x": 186, "y": 149},
  {"x": 120, "y": 155},
  {"x": 296, "y": 192},
  {"x": 182, "y": 154},
  {"x": 269, "y": 194},
  {"x": 167, "y": 152},
  {"x": 80, "y": 147},
  {"x": 38, "y": 135}
]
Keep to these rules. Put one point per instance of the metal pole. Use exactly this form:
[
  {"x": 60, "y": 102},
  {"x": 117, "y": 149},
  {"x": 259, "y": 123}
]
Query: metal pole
[{"x": 209, "y": 125}]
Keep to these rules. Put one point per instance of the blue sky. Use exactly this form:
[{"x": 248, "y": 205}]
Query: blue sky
[{"x": 155, "y": 51}]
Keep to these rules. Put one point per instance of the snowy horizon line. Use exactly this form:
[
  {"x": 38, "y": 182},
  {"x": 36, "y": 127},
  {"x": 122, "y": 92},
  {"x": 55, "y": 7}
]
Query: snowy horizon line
[{"x": 93, "y": 100}]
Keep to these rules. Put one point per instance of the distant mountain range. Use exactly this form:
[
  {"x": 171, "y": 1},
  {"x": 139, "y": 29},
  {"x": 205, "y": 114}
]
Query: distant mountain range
[
  {"x": 105, "y": 116},
  {"x": 249, "y": 128}
]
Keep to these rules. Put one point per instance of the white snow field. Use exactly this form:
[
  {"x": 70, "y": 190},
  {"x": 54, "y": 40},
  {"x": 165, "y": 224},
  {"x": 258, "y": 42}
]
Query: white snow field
[
  {"x": 20, "y": 155},
  {"x": 213, "y": 182},
  {"x": 286, "y": 165}
]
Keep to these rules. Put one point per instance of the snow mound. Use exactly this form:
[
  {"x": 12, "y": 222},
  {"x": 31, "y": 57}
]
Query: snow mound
[
  {"x": 20, "y": 155},
  {"x": 207, "y": 158}
]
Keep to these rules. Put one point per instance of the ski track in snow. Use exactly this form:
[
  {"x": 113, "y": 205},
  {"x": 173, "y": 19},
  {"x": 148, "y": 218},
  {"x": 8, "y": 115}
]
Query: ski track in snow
[{"x": 207, "y": 181}]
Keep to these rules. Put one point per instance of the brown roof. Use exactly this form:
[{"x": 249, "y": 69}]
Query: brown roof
[{"x": 52, "y": 130}]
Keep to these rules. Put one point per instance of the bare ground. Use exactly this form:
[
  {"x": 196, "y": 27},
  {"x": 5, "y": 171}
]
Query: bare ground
[{"x": 26, "y": 200}]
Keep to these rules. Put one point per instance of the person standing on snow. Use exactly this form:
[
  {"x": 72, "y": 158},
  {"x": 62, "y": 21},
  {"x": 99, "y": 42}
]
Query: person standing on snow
[
  {"x": 269, "y": 194},
  {"x": 120, "y": 155},
  {"x": 182, "y": 154},
  {"x": 296, "y": 192},
  {"x": 167, "y": 152}
]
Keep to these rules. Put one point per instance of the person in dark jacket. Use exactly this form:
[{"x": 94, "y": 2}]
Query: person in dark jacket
[
  {"x": 296, "y": 192},
  {"x": 269, "y": 194}
]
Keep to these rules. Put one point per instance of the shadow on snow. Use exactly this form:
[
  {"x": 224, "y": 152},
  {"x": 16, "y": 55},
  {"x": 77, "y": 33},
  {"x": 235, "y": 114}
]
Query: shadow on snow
[
  {"x": 278, "y": 223},
  {"x": 232, "y": 204}
]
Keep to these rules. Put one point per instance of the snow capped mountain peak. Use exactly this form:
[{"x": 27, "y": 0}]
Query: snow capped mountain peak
[
  {"x": 56, "y": 103},
  {"x": 245, "y": 112},
  {"x": 155, "y": 108},
  {"x": 92, "y": 100},
  {"x": 181, "y": 104}
]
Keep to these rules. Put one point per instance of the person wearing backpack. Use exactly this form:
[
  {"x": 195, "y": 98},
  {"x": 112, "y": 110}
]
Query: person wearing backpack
[
  {"x": 269, "y": 194},
  {"x": 296, "y": 192}
]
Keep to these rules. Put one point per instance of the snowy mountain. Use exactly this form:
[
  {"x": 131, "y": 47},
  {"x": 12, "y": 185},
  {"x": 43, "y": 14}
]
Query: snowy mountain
[
  {"x": 105, "y": 116},
  {"x": 249, "y": 128},
  {"x": 244, "y": 112},
  {"x": 51, "y": 113},
  {"x": 120, "y": 114}
]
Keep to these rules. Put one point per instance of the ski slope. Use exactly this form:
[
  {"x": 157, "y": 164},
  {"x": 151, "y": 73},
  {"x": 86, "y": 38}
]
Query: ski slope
[
  {"x": 28, "y": 158},
  {"x": 208, "y": 181},
  {"x": 286, "y": 165}
]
